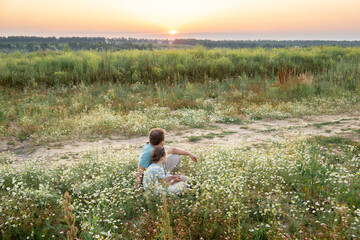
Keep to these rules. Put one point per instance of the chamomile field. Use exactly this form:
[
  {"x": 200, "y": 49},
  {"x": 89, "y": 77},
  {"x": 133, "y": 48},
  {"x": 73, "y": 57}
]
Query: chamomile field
[
  {"x": 291, "y": 189},
  {"x": 276, "y": 132}
]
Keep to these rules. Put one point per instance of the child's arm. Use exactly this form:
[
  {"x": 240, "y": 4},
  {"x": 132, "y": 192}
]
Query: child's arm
[
  {"x": 168, "y": 183},
  {"x": 170, "y": 180},
  {"x": 175, "y": 178}
]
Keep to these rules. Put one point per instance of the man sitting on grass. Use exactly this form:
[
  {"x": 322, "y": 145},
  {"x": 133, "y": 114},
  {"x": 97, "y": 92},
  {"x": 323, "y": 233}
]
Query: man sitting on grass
[{"x": 173, "y": 163}]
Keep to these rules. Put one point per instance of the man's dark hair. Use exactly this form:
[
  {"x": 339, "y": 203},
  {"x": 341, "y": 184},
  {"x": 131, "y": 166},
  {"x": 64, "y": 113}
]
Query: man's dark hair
[
  {"x": 156, "y": 154},
  {"x": 156, "y": 136}
]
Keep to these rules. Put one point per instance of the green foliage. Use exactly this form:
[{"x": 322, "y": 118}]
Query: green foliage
[
  {"x": 194, "y": 138},
  {"x": 210, "y": 136},
  {"x": 61, "y": 113},
  {"x": 54, "y": 96},
  {"x": 2, "y": 114},
  {"x": 319, "y": 125},
  {"x": 230, "y": 120},
  {"x": 335, "y": 64},
  {"x": 288, "y": 189},
  {"x": 335, "y": 140}
]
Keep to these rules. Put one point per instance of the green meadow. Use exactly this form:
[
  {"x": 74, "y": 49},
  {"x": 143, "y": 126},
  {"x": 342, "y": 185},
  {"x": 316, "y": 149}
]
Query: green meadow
[
  {"x": 291, "y": 189},
  {"x": 298, "y": 188},
  {"x": 55, "y": 96}
]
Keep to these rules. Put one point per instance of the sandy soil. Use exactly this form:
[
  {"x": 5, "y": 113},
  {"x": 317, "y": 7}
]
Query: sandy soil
[{"x": 248, "y": 133}]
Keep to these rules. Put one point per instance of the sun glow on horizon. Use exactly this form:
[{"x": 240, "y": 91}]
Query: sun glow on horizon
[
  {"x": 173, "y": 32},
  {"x": 161, "y": 17}
]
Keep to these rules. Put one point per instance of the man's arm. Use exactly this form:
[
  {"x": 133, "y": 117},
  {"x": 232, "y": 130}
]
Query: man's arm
[{"x": 179, "y": 151}]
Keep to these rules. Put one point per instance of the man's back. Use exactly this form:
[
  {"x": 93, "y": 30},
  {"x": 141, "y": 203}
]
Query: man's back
[{"x": 144, "y": 158}]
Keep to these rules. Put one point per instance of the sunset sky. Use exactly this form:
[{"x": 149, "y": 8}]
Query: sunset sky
[{"x": 224, "y": 19}]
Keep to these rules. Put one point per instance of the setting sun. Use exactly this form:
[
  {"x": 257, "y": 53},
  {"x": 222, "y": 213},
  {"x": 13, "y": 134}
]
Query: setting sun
[{"x": 173, "y": 32}]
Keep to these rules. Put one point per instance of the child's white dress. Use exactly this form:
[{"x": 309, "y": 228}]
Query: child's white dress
[{"x": 151, "y": 180}]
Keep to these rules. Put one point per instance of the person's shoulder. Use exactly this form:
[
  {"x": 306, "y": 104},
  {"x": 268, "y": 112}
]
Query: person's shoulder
[
  {"x": 146, "y": 150},
  {"x": 157, "y": 171},
  {"x": 155, "y": 167},
  {"x": 152, "y": 166},
  {"x": 147, "y": 147},
  {"x": 144, "y": 157}
]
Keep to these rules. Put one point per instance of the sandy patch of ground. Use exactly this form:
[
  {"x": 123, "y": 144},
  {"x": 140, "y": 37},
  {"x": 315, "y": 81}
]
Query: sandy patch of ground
[{"x": 248, "y": 133}]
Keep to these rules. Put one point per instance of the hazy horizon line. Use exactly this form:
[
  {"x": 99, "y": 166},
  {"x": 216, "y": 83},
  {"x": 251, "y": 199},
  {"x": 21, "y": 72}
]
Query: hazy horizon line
[{"x": 275, "y": 36}]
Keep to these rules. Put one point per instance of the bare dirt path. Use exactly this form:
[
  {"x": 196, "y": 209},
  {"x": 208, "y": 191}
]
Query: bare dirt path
[{"x": 249, "y": 133}]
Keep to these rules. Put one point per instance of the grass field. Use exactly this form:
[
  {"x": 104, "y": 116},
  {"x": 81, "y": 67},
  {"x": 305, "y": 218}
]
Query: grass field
[
  {"x": 294, "y": 188},
  {"x": 334, "y": 65},
  {"x": 52, "y": 115},
  {"x": 54, "y": 96}
]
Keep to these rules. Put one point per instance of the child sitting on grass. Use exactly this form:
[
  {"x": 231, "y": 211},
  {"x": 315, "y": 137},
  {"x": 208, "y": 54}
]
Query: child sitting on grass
[{"x": 155, "y": 178}]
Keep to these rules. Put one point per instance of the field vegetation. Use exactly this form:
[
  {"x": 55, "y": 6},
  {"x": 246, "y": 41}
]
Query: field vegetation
[
  {"x": 52, "y": 96},
  {"x": 331, "y": 65},
  {"x": 291, "y": 189},
  {"x": 288, "y": 189}
]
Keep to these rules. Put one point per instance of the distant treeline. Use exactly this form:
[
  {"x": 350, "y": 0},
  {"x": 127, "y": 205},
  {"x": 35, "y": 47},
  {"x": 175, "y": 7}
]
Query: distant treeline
[
  {"x": 264, "y": 43},
  {"x": 31, "y": 44}
]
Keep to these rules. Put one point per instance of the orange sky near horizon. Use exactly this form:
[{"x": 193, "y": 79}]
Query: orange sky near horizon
[{"x": 159, "y": 16}]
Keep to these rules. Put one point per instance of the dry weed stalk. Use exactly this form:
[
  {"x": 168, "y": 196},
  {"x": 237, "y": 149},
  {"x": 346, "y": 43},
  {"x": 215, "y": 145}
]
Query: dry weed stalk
[
  {"x": 69, "y": 217},
  {"x": 287, "y": 76},
  {"x": 165, "y": 220},
  {"x": 306, "y": 78}
]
